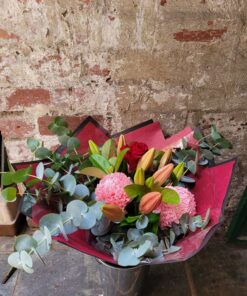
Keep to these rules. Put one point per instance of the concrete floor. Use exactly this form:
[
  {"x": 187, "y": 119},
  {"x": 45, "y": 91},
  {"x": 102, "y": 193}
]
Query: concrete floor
[{"x": 218, "y": 270}]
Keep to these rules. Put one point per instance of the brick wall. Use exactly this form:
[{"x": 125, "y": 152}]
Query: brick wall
[{"x": 180, "y": 62}]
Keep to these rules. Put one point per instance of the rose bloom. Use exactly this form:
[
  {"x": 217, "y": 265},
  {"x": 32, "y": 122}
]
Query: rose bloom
[{"x": 136, "y": 150}]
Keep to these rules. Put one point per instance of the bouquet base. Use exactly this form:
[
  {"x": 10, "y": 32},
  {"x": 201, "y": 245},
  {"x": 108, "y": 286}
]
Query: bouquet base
[{"x": 122, "y": 281}]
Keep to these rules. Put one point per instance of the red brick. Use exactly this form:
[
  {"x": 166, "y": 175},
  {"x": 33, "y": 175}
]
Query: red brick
[
  {"x": 6, "y": 35},
  {"x": 56, "y": 57},
  {"x": 15, "y": 128},
  {"x": 73, "y": 122},
  {"x": 28, "y": 97},
  {"x": 96, "y": 70},
  {"x": 199, "y": 35}
]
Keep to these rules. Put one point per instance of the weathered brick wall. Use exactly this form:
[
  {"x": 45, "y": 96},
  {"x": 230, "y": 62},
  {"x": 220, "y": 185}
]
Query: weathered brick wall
[{"x": 180, "y": 62}]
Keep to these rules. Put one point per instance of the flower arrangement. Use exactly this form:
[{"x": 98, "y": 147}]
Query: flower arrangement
[{"x": 135, "y": 203}]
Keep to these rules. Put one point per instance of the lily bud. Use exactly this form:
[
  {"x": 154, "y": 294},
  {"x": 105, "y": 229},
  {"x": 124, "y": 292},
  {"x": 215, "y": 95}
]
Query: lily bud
[
  {"x": 179, "y": 171},
  {"x": 121, "y": 143},
  {"x": 113, "y": 212},
  {"x": 166, "y": 158},
  {"x": 139, "y": 177},
  {"x": 150, "y": 202},
  {"x": 163, "y": 174},
  {"x": 94, "y": 149},
  {"x": 147, "y": 159}
]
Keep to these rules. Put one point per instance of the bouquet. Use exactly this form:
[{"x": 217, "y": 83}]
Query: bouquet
[{"x": 134, "y": 198}]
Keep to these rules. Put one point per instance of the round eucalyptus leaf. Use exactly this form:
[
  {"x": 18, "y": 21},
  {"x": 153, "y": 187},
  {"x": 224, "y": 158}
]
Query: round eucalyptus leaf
[
  {"x": 81, "y": 191},
  {"x": 134, "y": 234},
  {"x": 43, "y": 239},
  {"x": 14, "y": 260},
  {"x": 151, "y": 237},
  {"x": 173, "y": 249},
  {"x": 55, "y": 178},
  {"x": 187, "y": 179},
  {"x": 192, "y": 224},
  {"x": 32, "y": 144},
  {"x": 127, "y": 257},
  {"x": 72, "y": 144},
  {"x": 93, "y": 196},
  {"x": 26, "y": 262},
  {"x": 69, "y": 183},
  {"x": 68, "y": 225},
  {"x": 101, "y": 227},
  {"x": 143, "y": 248},
  {"x": 40, "y": 169},
  {"x": 157, "y": 252},
  {"x": 203, "y": 162},
  {"x": 142, "y": 222},
  {"x": 96, "y": 208},
  {"x": 172, "y": 237},
  {"x": 49, "y": 173},
  {"x": 53, "y": 222},
  {"x": 75, "y": 209},
  {"x": 88, "y": 220},
  {"x": 25, "y": 242}
]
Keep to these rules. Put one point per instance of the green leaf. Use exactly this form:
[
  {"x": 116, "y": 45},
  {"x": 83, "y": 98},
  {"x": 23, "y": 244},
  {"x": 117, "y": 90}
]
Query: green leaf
[
  {"x": 223, "y": 143},
  {"x": 207, "y": 154},
  {"x": 214, "y": 134},
  {"x": 33, "y": 144},
  {"x": 93, "y": 172},
  {"x": 64, "y": 139},
  {"x": 108, "y": 149},
  {"x": 9, "y": 194},
  {"x": 113, "y": 161},
  {"x": 149, "y": 182},
  {"x": 72, "y": 144},
  {"x": 170, "y": 196},
  {"x": 197, "y": 135},
  {"x": 131, "y": 219},
  {"x": 7, "y": 178},
  {"x": 120, "y": 158},
  {"x": 100, "y": 162},
  {"x": 191, "y": 165},
  {"x": 21, "y": 175},
  {"x": 32, "y": 183},
  {"x": 153, "y": 218},
  {"x": 42, "y": 153},
  {"x": 134, "y": 190},
  {"x": 60, "y": 121}
]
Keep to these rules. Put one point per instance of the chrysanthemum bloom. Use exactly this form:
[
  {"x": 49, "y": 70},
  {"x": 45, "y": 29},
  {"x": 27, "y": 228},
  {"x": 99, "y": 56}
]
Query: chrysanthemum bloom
[
  {"x": 111, "y": 189},
  {"x": 172, "y": 213}
]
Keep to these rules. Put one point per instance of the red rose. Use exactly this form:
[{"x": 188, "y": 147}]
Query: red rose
[{"x": 136, "y": 150}]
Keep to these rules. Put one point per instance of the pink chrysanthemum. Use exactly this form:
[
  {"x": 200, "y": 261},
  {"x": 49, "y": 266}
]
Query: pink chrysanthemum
[
  {"x": 172, "y": 213},
  {"x": 111, "y": 189}
]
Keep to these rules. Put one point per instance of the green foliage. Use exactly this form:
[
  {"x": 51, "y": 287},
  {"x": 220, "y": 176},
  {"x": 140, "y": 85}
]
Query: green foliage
[
  {"x": 100, "y": 162},
  {"x": 108, "y": 150},
  {"x": 170, "y": 196},
  {"x": 9, "y": 194},
  {"x": 33, "y": 144},
  {"x": 135, "y": 190},
  {"x": 120, "y": 158},
  {"x": 59, "y": 127}
]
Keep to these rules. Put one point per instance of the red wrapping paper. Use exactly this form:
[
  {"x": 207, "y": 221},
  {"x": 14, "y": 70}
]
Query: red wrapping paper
[{"x": 210, "y": 190}]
